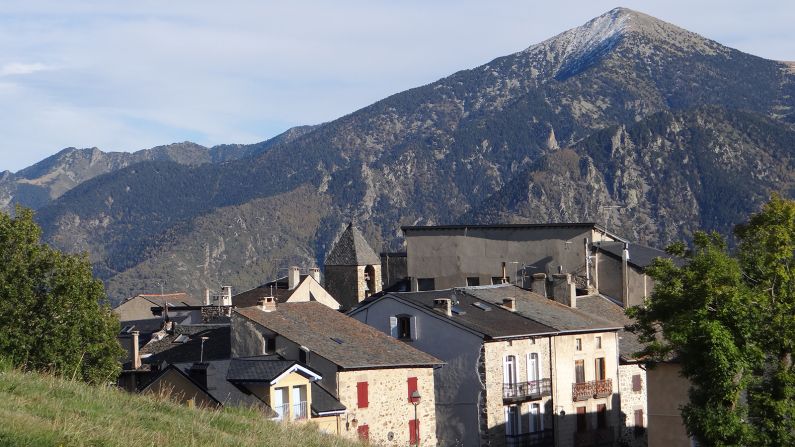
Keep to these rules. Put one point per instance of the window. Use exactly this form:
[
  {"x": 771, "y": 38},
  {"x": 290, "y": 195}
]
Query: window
[
  {"x": 601, "y": 416},
  {"x": 513, "y": 421},
  {"x": 412, "y": 387},
  {"x": 361, "y": 395},
  {"x": 598, "y": 342},
  {"x": 303, "y": 355},
  {"x": 426, "y": 284},
  {"x": 270, "y": 345},
  {"x": 582, "y": 420},
  {"x": 473, "y": 281},
  {"x": 509, "y": 370},
  {"x": 637, "y": 385},
  {"x": 639, "y": 418},
  {"x": 536, "y": 423},
  {"x": 499, "y": 280},
  {"x": 403, "y": 327},
  {"x": 579, "y": 371},
  {"x": 578, "y": 344},
  {"x": 414, "y": 431},
  {"x": 599, "y": 369},
  {"x": 363, "y": 431}
]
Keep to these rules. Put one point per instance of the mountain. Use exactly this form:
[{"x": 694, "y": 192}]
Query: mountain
[{"x": 677, "y": 130}]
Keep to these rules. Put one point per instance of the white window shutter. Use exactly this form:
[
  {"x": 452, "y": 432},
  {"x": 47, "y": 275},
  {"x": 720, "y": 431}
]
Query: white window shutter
[
  {"x": 393, "y": 327},
  {"x": 415, "y": 330}
]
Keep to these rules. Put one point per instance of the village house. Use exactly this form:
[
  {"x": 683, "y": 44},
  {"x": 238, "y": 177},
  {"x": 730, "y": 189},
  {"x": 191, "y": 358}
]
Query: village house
[
  {"x": 385, "y": 386},
  {"x": 294, "y": 288},
  {"x": 520, "y": 369}
]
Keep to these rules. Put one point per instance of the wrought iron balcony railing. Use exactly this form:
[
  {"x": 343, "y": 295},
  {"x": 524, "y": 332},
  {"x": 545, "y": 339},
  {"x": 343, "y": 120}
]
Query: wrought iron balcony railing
[
  {"x": 531, "y": 390},
  {"x": 591, "y": 390}
]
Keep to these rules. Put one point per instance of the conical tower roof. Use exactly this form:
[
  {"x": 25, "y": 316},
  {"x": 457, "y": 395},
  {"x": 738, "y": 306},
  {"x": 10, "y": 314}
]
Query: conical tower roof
[{"x": 352, "y": 249}]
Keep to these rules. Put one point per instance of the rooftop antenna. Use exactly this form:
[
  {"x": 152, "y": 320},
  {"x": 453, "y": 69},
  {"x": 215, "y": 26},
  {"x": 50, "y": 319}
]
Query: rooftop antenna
[{"x": 201, "y": 354}]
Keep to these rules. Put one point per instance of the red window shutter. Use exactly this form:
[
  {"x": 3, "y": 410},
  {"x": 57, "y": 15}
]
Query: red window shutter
[
  {"x": 414, "y": 431},
  {"x": 412, "y": 381},
  {"x": 639, "y": 418},
  {"x": 361, "y": 394},
  {"x": 636, "y": 383},
  {"x": 364, "y": 432}
]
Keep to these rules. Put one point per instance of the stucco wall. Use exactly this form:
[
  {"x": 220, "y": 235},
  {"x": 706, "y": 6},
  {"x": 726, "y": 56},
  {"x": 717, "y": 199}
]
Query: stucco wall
[
  {"x": 458, "y": 386},
  {"x": 610, "y": 280},
  {"x": 630, "y": 401},
  {"x": 389, "y": 410},
  {"x": 667, "y": 392},
  {"x": 450, "y": 256}
]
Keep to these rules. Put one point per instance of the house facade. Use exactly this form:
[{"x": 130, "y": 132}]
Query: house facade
[{"x": 377, "y": 379}]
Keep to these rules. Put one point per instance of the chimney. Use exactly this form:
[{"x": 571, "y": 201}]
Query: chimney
[
  {"x": 509, "y": 303},
  {"x": 206, "y": 296},
  {"x": 539, "y": 284},
  {"x": 134, "y": 350},
  {"x": 267, "y": 304},
  {"x": 504, "y": 273},
  {"x": 563, "y": 289},
  {"x": 444, "y": 305},
  {"x": 315, "y": 274},
  {"x": 293, "y": 277},
  {"x": 226, "y": 296},
  {"x": 198, "y": 372}
]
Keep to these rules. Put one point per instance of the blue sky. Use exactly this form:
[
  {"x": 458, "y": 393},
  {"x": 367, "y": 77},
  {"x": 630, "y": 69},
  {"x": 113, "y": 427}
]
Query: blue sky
[{"x": 124, "y": 76}]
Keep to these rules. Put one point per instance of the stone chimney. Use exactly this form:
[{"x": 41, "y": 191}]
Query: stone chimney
[
  {"x": 564, "y": 290},
  {"x": 206, "y": 296},
  {"x": 509, "y": 303},
  {"x": 198, "y": 372},
  {"x": 293, "y": 277},
  {"x": 443, "y": 305},
  {"x": 267, "y": 304},
  {"x": 226, "y": 296},
  {"x": 135, "y": 350},
  {"x": 539, "y": 284},
  {"x": 314, "y": 272}
]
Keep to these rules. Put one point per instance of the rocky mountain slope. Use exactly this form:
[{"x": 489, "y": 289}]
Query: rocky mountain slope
[{"x": 625, "y": 111}]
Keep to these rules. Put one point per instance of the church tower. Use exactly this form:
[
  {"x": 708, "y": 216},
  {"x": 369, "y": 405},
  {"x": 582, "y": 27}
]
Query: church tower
[{"x": 352, "y": 269}]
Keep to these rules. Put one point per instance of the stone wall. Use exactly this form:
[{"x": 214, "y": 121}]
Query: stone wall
[
  {"x": 631, "y": 401},
  {"x": 389, "y": 411},
  {"x": 495, "y": 354},
  {"x": 343, "y": 283}
]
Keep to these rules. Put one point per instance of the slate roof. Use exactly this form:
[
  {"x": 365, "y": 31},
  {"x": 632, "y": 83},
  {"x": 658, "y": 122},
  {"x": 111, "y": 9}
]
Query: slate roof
[
  {"x": 583, "y": 225},
  {"x": 494, "y": 323},
  {"x": 261, "y": 368},
  {"x": 543, "y": 310},
  {"x": 251, "y": 297},
  {"x": 352, "y": 249},
  {"x": 604, "y": 307},
  {"x": 224, "y": 391},
  {"x": 323, "y": 401},
  {"x": 639, "y": 255},
  {"x": 319, "y": 328},
  {"x": 167, "y": 349},
  {"x": 174, "y": 299}
]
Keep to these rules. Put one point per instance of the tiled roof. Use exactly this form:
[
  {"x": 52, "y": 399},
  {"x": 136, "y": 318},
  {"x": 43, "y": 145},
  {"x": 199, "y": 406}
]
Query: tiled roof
[
  {"x": 352, "y": 249},
  {"x": 543, "y": 310},
  {"x": 494, "y": 323},
  {"x": 639, "y": 256},
  {"x": 603, "y": 307},
  {"x": 337, "y": 337},
  {"x": 170, "y": 349},
  {"x": 263, "y": 368}
]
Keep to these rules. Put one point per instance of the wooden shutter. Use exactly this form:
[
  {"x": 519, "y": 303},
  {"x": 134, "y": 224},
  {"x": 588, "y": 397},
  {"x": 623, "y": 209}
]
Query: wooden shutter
[
  {"x": 364, "y": 432},
  {"x": 412, "y": 386},
  {"x": 415, "y": 334},
  {"x": 361, "y": 394},
  {"x": 579, "y": 371},
  {"x": 600, "y": 368},
  {"x": 414, "y": 431},
  {"x": 393, "y": 327},
  {"x": 636, "y": 383},
  {"x": 582, "y": 421},
  {"x": 639, "y": 418},
  {"x": 601, "y": 416}
]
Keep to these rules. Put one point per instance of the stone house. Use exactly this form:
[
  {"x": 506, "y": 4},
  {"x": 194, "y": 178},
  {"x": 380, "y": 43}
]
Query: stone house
[
  {"x": 137, "y": 310},
  {"x": 375, "y": 378},
  {"x": 352, "y": 269},
  {"x": 520, "y": 369}
]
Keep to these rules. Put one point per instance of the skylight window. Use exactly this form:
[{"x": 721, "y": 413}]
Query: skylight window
[
  {"x": 457, "y": 310},
  {"x": 482, "y": 306},
  {"x": 337, "y": 340},
  {"x": 182, "y": 338}
]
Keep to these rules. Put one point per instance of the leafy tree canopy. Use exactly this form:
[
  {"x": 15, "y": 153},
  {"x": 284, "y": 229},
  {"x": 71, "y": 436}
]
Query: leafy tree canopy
[
  {"x": 54, "y": 315},
  {"x": 729, "y": 320}
]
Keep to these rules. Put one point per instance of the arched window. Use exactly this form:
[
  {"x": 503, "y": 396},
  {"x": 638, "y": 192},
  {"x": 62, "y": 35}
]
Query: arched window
[{"x": 369, "y": 280}]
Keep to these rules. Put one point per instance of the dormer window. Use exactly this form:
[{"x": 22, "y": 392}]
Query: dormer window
[{"x": 403, "y": 327}]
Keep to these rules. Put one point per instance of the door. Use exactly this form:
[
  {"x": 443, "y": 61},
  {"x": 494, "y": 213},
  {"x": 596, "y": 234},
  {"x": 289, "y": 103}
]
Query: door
[
  {"x": 299, "y": 402},
  {"x": 509, "y": 376},
  {"x": 280, "y": 401},
  {"x": 532, "y": 374},
  {"x": 513, "y": 421},
  {"x": 579, "y": 371}
]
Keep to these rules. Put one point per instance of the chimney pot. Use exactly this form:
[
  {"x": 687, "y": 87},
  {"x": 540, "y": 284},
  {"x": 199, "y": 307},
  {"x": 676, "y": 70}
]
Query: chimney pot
[
  {"x": 539, "y": 284},
  {"x": 267, "y": 304},
  {"x": 509, "y": 303},
  {"x": 315, "y": 273},
  {"x": 564, "y": 290},
  {"x": 444, "y": 305},
  {"x": 136, "y": 355},
  {"x": 293, "y": 277},
  {"x": 206, "y": 296},
  {"x": 198, "y": 372}
]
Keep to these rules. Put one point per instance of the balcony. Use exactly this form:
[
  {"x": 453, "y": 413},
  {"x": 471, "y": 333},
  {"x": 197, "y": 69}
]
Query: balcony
[
  {"x": 523, "y": 391},
  {"x": 299, "y": 411},
  {"x": 287, "y": 412},
  {"x": 591, "y": 390},
  {"x": 543, "y": 438},
  {"x": 602, "y": 437}
]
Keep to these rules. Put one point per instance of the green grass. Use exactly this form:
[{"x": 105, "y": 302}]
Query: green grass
[{"x": 42, "y": 410}]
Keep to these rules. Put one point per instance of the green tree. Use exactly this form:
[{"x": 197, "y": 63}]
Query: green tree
[{"x": 54, "y": 315}]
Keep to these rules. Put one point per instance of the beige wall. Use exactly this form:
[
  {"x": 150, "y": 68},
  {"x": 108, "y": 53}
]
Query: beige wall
[
  {"x": 564, "y": 355},
  {"x": 495, "y": 354},
  {"x": 450, "y": 256},
  {"x": 310, "y": 288},
  {"x": 389, "y": 409},
  {"x": 667, "y": 392},
  {"x": 135, "y": 309},
  {"x": 633, "y": 400}
]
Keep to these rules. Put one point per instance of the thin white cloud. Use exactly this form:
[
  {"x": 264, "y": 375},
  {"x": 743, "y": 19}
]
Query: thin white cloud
[{"x": 21, "y": 68}]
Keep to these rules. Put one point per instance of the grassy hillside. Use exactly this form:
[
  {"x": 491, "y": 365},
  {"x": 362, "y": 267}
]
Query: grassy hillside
[{"x": 39, "y": 410}]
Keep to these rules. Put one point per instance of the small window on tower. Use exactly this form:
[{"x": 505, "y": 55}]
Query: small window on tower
[
  {"x": 473, "y": 281},
  {"x": 424, "y": 284}
]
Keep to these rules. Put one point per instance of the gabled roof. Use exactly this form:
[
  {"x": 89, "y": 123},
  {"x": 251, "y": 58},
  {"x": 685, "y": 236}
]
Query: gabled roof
[
  {"x": 174, "y": 299},
  {"x": 324, "y": 402},
  {"x": 224, "y": 391},
  {"x": 251, "y": 297},
  {"x": 543, "y": 310},
  {"x": 352, "y": 249},
  {"x": 603, "y": 307},
  {"x": 336, "y": 337},
  {"x": 493, "y": 323},
  {"x": 171, "y": 349},
  {"x": 266, "y": 368},
  {"x": 639, "y": 255}
]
